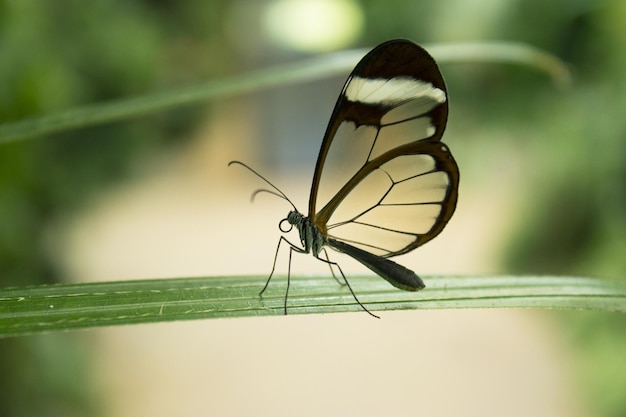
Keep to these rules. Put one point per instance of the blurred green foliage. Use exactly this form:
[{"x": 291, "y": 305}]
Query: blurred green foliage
[
  {"x": 574, "y": 220},
  {"x": 57, "y": 55},
  {"x": 66, "y": 53}
]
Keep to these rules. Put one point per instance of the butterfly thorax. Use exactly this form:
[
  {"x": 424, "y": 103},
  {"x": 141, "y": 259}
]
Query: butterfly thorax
[{"x": 311, "y": 238}]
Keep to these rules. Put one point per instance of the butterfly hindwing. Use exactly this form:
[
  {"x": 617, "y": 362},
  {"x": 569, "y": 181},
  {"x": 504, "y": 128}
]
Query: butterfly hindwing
[{"x": 398, "y": 203}]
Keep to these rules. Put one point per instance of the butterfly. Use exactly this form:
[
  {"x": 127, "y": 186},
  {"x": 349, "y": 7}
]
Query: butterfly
[{"x": 384, "y": 183}]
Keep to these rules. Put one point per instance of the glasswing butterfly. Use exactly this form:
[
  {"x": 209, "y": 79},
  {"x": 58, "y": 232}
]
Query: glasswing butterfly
[{"x": 384, "y": 183}]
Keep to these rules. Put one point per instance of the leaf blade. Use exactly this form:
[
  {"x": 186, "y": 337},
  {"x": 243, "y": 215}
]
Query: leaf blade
[{"x": 35, "y": 309}]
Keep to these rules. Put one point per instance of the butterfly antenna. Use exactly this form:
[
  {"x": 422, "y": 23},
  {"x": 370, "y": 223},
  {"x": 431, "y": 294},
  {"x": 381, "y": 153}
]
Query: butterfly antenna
[{"x": 277, "y": 191}]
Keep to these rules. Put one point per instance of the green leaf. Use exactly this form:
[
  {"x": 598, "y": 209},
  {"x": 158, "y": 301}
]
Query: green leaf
[{"x": 34, "y": 309}]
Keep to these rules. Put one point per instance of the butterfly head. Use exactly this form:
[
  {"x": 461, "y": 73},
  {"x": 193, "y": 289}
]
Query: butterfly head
[{"x": 294, "y": 218}]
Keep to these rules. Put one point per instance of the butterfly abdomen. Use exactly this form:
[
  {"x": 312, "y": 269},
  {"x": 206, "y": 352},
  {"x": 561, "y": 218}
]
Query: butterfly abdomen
[{"x": 396, "y": 274}]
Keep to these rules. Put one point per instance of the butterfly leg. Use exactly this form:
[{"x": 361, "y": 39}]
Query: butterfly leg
[
  {"x": 292, "y": 248},
  {"x": 273, "y": 267},
  {"x": 330, "y": 266},
  {"x": 276, "y": 258},
  {"x": 336, "y": 265}
]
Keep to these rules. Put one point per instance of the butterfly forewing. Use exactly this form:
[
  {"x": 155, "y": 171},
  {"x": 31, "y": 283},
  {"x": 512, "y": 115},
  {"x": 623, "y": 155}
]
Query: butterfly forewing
[{"x": 383, "y": 181}]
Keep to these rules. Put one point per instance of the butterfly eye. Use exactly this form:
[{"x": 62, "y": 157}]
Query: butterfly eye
[{"x": 285, "y": 226}]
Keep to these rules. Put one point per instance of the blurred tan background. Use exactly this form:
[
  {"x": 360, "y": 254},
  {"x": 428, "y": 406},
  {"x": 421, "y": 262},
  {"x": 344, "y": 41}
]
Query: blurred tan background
[{"x": 542, "y": 191}]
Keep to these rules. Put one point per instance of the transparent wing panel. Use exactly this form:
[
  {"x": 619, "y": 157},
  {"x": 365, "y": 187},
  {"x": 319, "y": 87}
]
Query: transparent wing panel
[
  {"x": 425, "y": 188},
  {"x": 392, "y": 136},
  {"x": 350, "y": 149},
  {"x": 375, "y": 240}
]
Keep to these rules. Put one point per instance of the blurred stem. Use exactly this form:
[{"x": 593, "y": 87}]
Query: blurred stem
[{"x": 285, "y": 74}]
